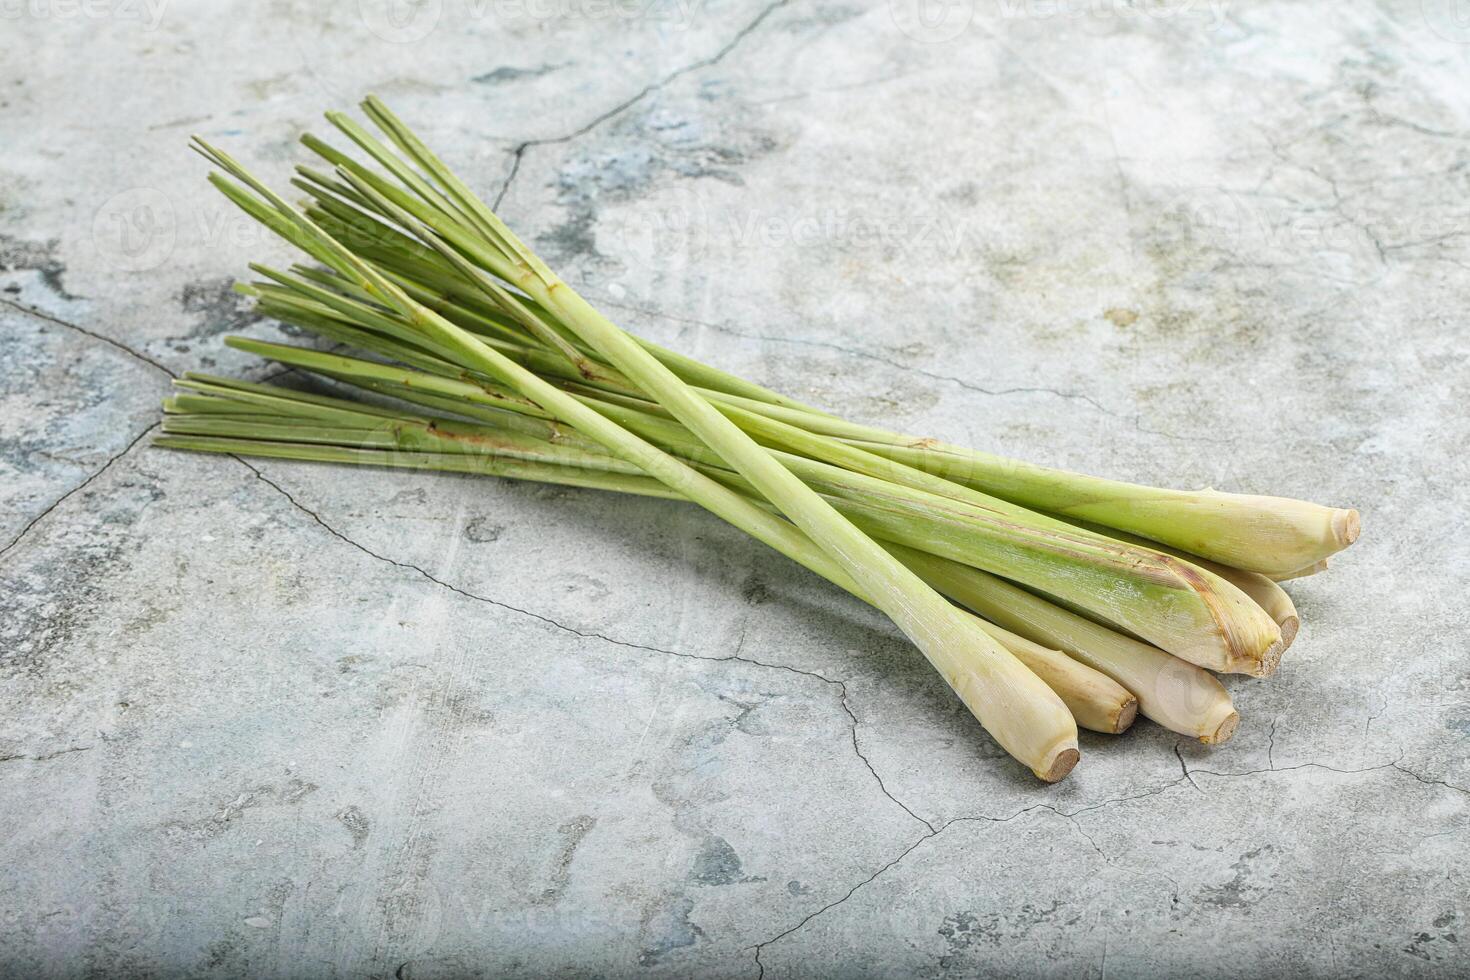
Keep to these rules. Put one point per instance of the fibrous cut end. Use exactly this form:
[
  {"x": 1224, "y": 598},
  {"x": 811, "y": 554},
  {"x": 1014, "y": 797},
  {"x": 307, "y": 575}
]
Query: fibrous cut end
[
  {"x": 1127, "y": 715},
  {"x": 1290, "y": 625},
  {"x": 1061, "y": 763},
  {"x": 1270, "y": 658},
  {"x": 1223, "y": 733}
]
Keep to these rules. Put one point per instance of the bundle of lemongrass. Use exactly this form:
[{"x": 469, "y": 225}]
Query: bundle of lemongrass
[{"x": 1045, "y": 598}]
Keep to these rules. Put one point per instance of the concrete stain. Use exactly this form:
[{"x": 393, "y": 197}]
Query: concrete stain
[
  {"x": 216, "y": 306},
  {"x": 716, "y": 864},
  {"x": 672, "y": 929},
  {"x": 357, "y": 824},
  {"x": 482, "y": 530},
  {"x": 965, "y": 929},
  {"x": 754, "y": 591},
  {"x": 18, "y": 255},
  {"x": 665, "y": 140},
  {"x": 508, "y": 73},
  {"x": 572, "y": 833},
  {"x": 1239, "y": 891},
  {"x": 207, "y": 828}
]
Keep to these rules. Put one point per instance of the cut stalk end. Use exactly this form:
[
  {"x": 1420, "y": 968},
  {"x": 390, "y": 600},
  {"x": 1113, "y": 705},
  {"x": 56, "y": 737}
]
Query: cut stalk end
[
  {"x": 1270, "y": 659},
  {"x": 1222, "y": 731},
  {"x": 1127, "y": 715},
  {"x": 1061, "y": 761},
  {"x": 1345, "y": 526},
  {"x": 1289, "y": 627}
]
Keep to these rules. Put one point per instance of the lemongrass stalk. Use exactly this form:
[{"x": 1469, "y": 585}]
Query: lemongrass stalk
[
  {"x": 363, "y": 333},
  {"x": 1271, "y": 535},
  {"x": 1024, "y": 715},
  {"x": 1180, "y": 696},
  {"x": 1186, "y": 610},
  {"x": 1264, "y": 592},
  {"x": 1149, "y": 612},
  {"x": 478, "y": 465},
  {"x": 1267, "y": 534},
  {"x": 478, "y": 319},
  {"x": 351, "y": 368},
  {"x": 347, "y": 314},
  {"x": 277, "y": 401},
  {"x": 1095, "y": 701},
  {"x": 232, "y": 399},
  {"x": 195, "y": 404},
  {"x": 491, "y": 289},
  {"x": 349, "y": 318},
  {"x": 220, "y": 397},
  {"x": 1203, "y": 619},
  {"x": 689, "y": 369},
  {"x": 402, "y": 435},
  {"x": 1257, "y": 660},
  {"x": 292, "y": 295},
  {"x": 1021, "y": 712},
  {"x": 1209, "y": 622}
]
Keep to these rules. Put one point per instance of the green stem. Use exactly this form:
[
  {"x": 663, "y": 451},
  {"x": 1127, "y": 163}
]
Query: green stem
[
  {"x": 1272, "y": 535},
  {"x": 1020, "y": 711},
  {"x": 1182, "y": 608}
]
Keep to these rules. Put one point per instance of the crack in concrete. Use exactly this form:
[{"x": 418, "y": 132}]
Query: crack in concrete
[
  {"x": 868, "y": 355},
  {"x": 585, "y": 634},
  {"x": 1428, "y": 781},
  {"x": 47, "y": 757},
  {"x": 933, "y": 833},
  {"x": 520, "y": 150},
  {"x": 1137, "y": 873},
  {"x": 1184, "y": 767},
  {"x": 58, "y": 321},
  {"x": 839, "y": 686},
  {"x": 1299, "y": 765},
  {"x": 1339, "y": 200},
  {"x": 1396, "y": 764},
  {"x": 1136, "y": 420},
  {"x": 76, "y": 489},
  {"x": 850, "y": 892},
  {"x": 1382, "y": 707},
  {"x": 852, "y": 716},
  {"x": 1090, "y": 840},
  {"x": 1071, "y": 815}
]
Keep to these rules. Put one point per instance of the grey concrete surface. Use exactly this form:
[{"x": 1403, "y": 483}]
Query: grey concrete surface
[{"x": 281, "y": 720}]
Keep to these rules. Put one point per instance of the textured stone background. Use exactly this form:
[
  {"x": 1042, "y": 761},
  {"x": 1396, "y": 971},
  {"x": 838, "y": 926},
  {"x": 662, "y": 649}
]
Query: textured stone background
[{"x": 270, "y": 719}]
